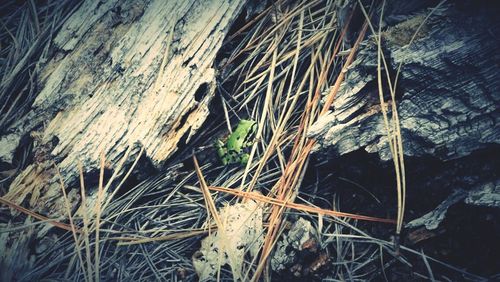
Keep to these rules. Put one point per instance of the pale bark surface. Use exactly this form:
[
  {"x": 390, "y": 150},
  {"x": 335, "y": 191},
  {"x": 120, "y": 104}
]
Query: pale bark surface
[{"x": 125, "y": 75}]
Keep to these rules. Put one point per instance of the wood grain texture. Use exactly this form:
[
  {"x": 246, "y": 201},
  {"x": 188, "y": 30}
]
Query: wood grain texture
[
  {"x": 447, "y": 94},
  {"x": 124, "y": 75}
]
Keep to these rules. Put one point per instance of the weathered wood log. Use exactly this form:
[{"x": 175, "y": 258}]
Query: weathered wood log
[
  {"x": 447, "y": 98},
  {"x": 125, "y": 75},
  {"x": 447, "y": 92}
]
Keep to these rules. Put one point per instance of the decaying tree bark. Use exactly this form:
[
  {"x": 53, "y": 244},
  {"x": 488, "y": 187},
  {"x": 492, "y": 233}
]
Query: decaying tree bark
[
  {"x": 447, "y": 92},
  {"x": 125, "y": 75},
  {"x": 447, "y": 98}
]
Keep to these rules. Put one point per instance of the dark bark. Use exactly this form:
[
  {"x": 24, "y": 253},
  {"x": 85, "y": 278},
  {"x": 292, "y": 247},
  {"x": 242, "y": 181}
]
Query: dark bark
[
  {"x": 447, "y": 98},
  {"x": 447, "y": 93}
]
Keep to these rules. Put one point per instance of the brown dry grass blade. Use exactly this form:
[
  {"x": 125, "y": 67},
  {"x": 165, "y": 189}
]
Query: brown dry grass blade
[
  {"x": 210, "y": 204},
  {"x": 294, "y": 169},
  {"x": 300, "y": 207},
  {"x": 37, "y": 216}
]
